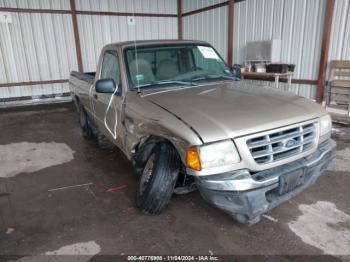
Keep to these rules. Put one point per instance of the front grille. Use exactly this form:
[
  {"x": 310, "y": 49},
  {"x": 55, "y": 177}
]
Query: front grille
[{"x": 282, "y": 144}]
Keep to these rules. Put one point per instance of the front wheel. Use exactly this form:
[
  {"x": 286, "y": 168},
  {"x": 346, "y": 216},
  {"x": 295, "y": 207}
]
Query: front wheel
[{"x": 158, "y": 179}]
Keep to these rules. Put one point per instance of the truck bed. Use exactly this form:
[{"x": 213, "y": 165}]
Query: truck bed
[
  {"x": 87, "y": 76},
  {"x": 80, "y": 85}
]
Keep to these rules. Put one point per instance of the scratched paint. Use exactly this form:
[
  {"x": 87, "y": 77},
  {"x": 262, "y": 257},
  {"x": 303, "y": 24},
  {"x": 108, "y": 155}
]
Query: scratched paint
[
  {"x": 323, "y": 226},
  {"x": 25, "y": 157}
]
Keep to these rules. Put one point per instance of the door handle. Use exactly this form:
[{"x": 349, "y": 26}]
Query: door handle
[{"x": 95, "y": 96}]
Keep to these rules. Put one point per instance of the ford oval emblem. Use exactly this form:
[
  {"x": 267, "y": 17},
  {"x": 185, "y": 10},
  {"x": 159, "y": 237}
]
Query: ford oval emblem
[{"x": 290, "y": 143}]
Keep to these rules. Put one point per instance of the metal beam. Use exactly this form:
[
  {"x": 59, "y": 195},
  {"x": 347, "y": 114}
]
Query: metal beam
[
  {"x": 327, "y": 27},
  {"x": 123, "y": 14},
  {"x": 33, "y": 83},
  {"x": 33, "y": 10},
  {"x": 76, "y": 36},
  {"x": 210, "y": 7},
  {"x": 230, "y": 32},
  {"x": 179, "y": 19},
  {"x": 80, "y": 12},
  {"x": 207, "y": 8}
]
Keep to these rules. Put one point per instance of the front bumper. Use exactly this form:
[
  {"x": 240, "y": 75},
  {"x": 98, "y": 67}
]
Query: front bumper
[{"x": 247, "y": 196}]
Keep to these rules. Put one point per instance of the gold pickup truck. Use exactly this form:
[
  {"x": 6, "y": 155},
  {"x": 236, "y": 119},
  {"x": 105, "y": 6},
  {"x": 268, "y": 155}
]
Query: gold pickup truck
[{"x": 187, "y": 122}]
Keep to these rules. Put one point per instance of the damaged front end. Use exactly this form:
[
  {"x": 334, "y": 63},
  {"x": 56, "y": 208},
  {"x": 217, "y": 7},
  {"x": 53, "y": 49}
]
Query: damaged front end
[{"x": 246, "y": 195}]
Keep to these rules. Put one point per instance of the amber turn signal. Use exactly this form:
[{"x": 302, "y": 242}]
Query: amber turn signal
[{"x": 192, "y": 159}]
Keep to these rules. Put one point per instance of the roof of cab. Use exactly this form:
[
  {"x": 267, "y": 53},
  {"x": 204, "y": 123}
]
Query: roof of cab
[{"x": 153, "y": 42}]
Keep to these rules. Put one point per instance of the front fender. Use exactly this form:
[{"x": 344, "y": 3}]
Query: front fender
[
  {"x": 151, "y": 133},
  {"x": 144, "y": 119}
]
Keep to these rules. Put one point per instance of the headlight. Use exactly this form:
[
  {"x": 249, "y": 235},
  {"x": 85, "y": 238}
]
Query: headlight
[
  {"x": 325, "y": 125},
  {"x": 212, "y": 155}
]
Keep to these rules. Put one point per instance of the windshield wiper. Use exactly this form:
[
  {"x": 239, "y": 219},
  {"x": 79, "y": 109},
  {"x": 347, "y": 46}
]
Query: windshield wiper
[
  {"x": 210, "y": 77},
  {"x": 167, "y": 82}
]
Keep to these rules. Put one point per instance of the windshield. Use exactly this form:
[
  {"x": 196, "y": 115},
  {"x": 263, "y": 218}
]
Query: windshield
[{"x": 174, "y": 64}]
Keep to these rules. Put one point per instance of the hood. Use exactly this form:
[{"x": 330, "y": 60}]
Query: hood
[{"x": 233, "y": 109}]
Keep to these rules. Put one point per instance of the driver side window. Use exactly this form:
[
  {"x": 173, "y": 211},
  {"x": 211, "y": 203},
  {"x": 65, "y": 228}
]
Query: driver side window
[{"x": 110, "y": 67}]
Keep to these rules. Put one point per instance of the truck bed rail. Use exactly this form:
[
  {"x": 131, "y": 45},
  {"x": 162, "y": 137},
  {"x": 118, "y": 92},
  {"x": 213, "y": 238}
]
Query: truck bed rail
[{"x": 87, "y": 77}]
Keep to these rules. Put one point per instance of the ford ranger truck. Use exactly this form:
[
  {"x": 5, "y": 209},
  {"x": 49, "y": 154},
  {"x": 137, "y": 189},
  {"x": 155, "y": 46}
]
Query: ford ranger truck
[{"x": 186, "y": 121}]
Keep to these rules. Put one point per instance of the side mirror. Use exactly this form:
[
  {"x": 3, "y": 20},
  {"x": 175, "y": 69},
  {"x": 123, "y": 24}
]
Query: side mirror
[
  {"x": 236, "y": 71},
  {"x": 106, "y": 86}
]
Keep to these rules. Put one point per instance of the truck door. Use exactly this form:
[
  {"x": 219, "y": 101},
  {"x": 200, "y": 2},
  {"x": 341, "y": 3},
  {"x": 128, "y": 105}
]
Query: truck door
[{"x": 108, "y": 107}]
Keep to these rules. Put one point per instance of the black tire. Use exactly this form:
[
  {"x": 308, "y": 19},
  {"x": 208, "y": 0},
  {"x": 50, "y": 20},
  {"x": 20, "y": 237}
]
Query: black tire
[
  {"x": 87, "y": 129},
  {"x": 156, "y": 186}
]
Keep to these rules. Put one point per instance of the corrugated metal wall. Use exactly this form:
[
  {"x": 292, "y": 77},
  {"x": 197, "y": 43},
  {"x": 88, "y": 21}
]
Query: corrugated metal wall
[
  {"x": 41, "y": 46},
  {"x": 340, "y": 35},
  {"x": 37, "y": 4},
  {"x": 137, "y": 6},
  {"x": 299, "y": 25},
  {"x": 36, "y": 47},
  {"x": 96, "y": 31},
  {"x": 210, "y": 26},
  {"x": 190, "y": 5}
]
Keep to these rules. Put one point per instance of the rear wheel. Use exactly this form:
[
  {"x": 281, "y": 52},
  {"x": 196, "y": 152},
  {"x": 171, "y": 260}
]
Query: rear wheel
[
  {"x": 158, "y": 179},
  {"x": 87, "y": 128}
]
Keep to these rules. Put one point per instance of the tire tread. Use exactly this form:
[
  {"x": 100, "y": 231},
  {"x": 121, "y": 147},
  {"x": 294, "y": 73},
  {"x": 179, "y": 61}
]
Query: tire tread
[{"x": 157, "y": 197}]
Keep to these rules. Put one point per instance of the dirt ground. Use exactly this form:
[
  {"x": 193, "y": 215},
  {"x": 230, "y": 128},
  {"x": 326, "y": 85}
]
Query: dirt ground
[{"x": 54, "y": 199}]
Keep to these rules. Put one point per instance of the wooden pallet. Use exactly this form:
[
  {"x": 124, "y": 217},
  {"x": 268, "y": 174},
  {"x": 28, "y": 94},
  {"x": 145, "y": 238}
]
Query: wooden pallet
[{"x": 339, "y": 84}]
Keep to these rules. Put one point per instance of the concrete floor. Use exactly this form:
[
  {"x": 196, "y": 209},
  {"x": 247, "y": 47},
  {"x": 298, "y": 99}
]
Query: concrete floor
[{"x": 45, "y": 151}]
